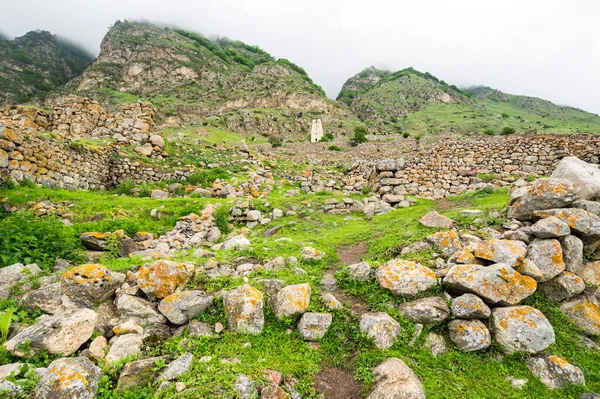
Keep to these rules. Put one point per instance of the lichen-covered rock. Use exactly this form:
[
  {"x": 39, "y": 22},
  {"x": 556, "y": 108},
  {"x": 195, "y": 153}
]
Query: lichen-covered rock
[
  {"x": 434, "y": 219},
  {"x": 274, "y": 392},
  {"x": 177, "y": 367},
  {"x": 95, "y": 241},
  {"x": 313, "y": 326},
  {"x": 530, "y": 269},
  {"x": 381, "y": 328},
  {"x": 310, "y": 253},
  {"x": 550, "y": 228},
  {"x": 360, "y": 271},
  {"x": 138, "y": 309},
  {"x": 87, "y": 285},
  {"x": 245, "y": 388},
  {"x": 583, "y": 175},
  {"x": 590, "y": 273},
  {"x": 61, "y": 334},
  {"x": 543, "y": 194},
  {"x": 521, "y": 329},
  {"x": 138, "y": 373},
  {"x": 291, "y": 301},
  {"x": 237, "y": 242},
  {"x": 497, "y": 284},
  {"x": 436, "y": 343},
  {"x": 430, "y": 311},
  {"x": 47, "y": 298},
  {"x": 563, "y": 286},
  {"x": 469, "y": 306},
  {"x": 555, "y": 372},
  {"x": 509, "y": 252},
  {"x": 469, "y": 335},
  {"x": 395, "y": 380},
  {"x": 447, "y": 242},
  {"x": 244, "y": 307},
  {"x": 15, "y": 274},
  {"x": 162, "y": 278},
  {"x": 182, "y": 306},
  {"x": 122, "y": 346},
  {"x": 405, "y": 278},
  {"x": 572, "y": 249},
  {"x": 584, "y": 312},
  {"x": 580, "y": 221},
  {"x": 547, "y": 256},
  {"x": 69, "y": 378},
  {"x": 331, "y": 301}
]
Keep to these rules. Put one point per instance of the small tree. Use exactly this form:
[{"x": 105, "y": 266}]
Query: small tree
[
  {"x": 360, "y": 136},
  {"x": 508, "y": 130}
]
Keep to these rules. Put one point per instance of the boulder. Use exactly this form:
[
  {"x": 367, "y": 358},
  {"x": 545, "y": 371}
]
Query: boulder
[
  {"x": 313, "y": 326},
  {"x": 15, "y": 274},
  {"x": 584, "y": 176},
  {"x": 95, "y": 241},
  {"x": 572, "y": 249},
  {"x": 395, "y": 380},
  {"x": 555, "y": 372},
  {"x": 381, "y": 328},
  {"x": 177, "y": 368},
  {"x": 583, "y": 311},
  {"x": 405, "y": 278},
  {"x": 88, "y": 285},
  {"x": 182, "y": 306},
  {"x": 530, "y": 269},
  {"x": 590, "y": 206},
  {"x": 139, "y": 373},
  {"x": 69, "y": 378},
  {"x": 138, "y": 309},
  {"x": 244, "y": 309},
  {"x": 158, "y": 194},
  {"x": 331, "y": 301},
  {"x": 239, "y": 243},
  {"x": 497, "y": 284},
  {"x": 509, "y": 252},
  {"x": 198, "y": 329},
  {"x": 47, "y": 298},
  {"x": 543, "y": 194},
  {"x": 469, "y": 306},
  {"x": 291, "y": 301},
  {"x": 122, "y": 346},
  {"x": 436, "y": 343},
  {"x": 97, "y": 347},
  {"x": 434, "y": 219},
  {"x": 469, "y": 335},
  {"x": 360, "y": 271},
  {"x": 128, "y": 327},
  {"x": 590, "y": 273},
  {"x": 547, "y": 256},
  {"x": 429, "y": 311},
  {"x": 580, "y": 221},
  {"x": 447, "y": 242},
  {"x": 310, "y": 253},
  {"x": 521, "y": 329},
  {"x": 563, "y": 286},
  {"x": 274, "y": 392},
  {"x": 61, "y": 334},
  {"x": 162, "y": 278},
  {"x": 550, "y": 227},
  {"x": 245, "y": 388}
]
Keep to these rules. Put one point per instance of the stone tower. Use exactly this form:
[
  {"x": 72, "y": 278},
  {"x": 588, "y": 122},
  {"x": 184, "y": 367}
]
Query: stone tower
[{"x": 316, "y": 130}]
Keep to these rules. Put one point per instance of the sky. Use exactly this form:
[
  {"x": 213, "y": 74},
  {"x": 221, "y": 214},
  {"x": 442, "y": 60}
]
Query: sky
[{"x": 543, "y": 48}]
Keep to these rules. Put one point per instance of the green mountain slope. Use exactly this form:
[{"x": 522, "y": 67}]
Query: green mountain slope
[{"x": 36, "y": 63}]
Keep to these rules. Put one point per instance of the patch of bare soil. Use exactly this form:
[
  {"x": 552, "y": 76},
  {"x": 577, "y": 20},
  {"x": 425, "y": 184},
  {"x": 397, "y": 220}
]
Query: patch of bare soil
[
  {"x": 445, "y": 205},
  {"x": 338, "y": 383},
  {"x": 352, "y": 253}
]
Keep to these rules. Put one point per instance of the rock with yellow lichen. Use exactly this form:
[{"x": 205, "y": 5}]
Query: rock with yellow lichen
[
  {"x": 291, "y": 301},
  {"x": 547, "y": 256},
  {"x": 469, "y": 306},
  {"x": 381, "y": 328},
  {"x": 497, "y": 284},
  {"x": 87, "y": 285},
  {"x": 59, "y": 334},
  {"x": 429, "y": 311},
  {"x": 313, "y": 326},
  {"x": 394, "y": 379},
  {"x": 550, "y": 227},
  {"x": 555, "y": 372},
  {"x": 183, "y": 306},
  {"x": 521, "y": 329},
  {"x": 580, "y": 221},
  {"x": 590, "y": 273},
  {"x": 563, "y": 286},
  {"x": 162, "y": 278},
  {"x": 447, "y": 242},
  {"x": 583, "y": 175},
  {"x": 75, "y": 377},
  {"x": 469, "y": 335},
  {"x": 542, "y": 194},
  {"x": 405, "y": 278},
  {"x": 584, "y": 312},
  {"x": 96, "y": 241},
  {"x": 244, "y": 307},
  {"x": 509, "y": 252},
  {"x": 310, "y": 253},
  {"x": 138, "y": 309}
]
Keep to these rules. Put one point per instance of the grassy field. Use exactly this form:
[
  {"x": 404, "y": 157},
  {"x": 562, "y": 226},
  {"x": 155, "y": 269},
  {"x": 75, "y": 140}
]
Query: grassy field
[{"x": 453, "y": 375}]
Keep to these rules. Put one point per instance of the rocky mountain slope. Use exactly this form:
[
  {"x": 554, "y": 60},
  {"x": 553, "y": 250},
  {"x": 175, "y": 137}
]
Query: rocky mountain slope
[
  {"x": 190, "y": 78},
  {"x": 415, "y": 103},
  {"x": 36, "y": 63}
]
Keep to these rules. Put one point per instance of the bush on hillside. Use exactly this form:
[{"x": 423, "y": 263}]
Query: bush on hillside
[
  {"x": 508, "y": 130},
  {"x": 360, "y": 136}
]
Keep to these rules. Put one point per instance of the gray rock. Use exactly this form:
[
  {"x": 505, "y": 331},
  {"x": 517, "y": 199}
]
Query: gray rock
[
  {"x": 381, "y": 328},
  {"x": 429, "y": 311},
  {"x": 563, "y": 286},
  {"x": 360, "y": 271},
  {"x": 313, "y": 326},
  {"x": 580, "y": 221},
  {"x": 405, "y": 278},
  {"x": 583, "y": 311},
  {"x": 291, "y": 301},
  {"x": 275, "y": 264},
  {"x": 469, "y": 335},
  {"x": 395, "y": 380},
  {"x": 469, "y": 306},
  {"x": 177, "y": 367},
  {"x": 550, "y": 227},
  {"x": 159, "y": 194},
  {"x": 59, "y": 334},
  {"x": 530, "y": 269},
  {"x": 555, "y": 372},
  {"x": 310, "y": 253},
  {"x": 68, "y": 378},
  {"x": 15, "y": 274},
  {"x": 138, "y": 373},
  {"x": 91, "y": 284},
  {"x": 47, "y": 298},
  {"x": 182, "y": 306},
  {"x": 543, "y": 194},
  {"x": 253, "y": 216},
  {"x": 108, "y": 317},
  {"x": 122, "y": 346},
  {"x": 436, "y": 344},
  {"x": 415, "y": 247},
  {"x": 572, "y": 249},
  {"x": 198, "y": 329},
  {"x": 547, "y": 256},
  {"x": 236, "y": 242},
  {"x": 138, "y": 309},
  {"x": 447, "y": 242},
  {"x": 521, "y": 329},
  {"x": 245, "y": 388},
  {"x": 244, "y": 309},
  {"x": 9, "y": 388},
  {"x": 329, "y": 282},
  {"x": 434, "y": 219},
  {"x": 331, "y": 301},
  {"x": 584, "y": 176},
  {"x": 10, "y": 370},
  {"x": 509, "y": 252},
  {"x": 273, "y": 392},
  {"x": 590, "y": 206}
]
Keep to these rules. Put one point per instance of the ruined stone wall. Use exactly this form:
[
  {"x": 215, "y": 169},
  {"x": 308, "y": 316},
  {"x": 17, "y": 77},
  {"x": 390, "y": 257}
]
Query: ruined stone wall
[{"x": 455, "y": 165}]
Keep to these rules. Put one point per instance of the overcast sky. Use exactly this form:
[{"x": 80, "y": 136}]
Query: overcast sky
[{"x": 543, "y": 48}]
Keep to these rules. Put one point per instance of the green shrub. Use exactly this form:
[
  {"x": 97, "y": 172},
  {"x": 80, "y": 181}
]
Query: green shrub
[
  {"x": 5, "y": 319},
  {"x": 488, "y": 131},
  {"x": 405, "y": 135},
  {"x": 327, "y": 137},
  {"x": 125, "y": 187},
  {"x": 360, "y": 136},
  {"x": 334, "y": 148},
  {"x": 487, "y": 177},
  {"x": 275, "y": 141},
  {"x": 207, "y": 177},
  {"x": 508, "y": 130},
  {"x": 221, "y": 217},
  {"x": 145, "y": 190}
]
